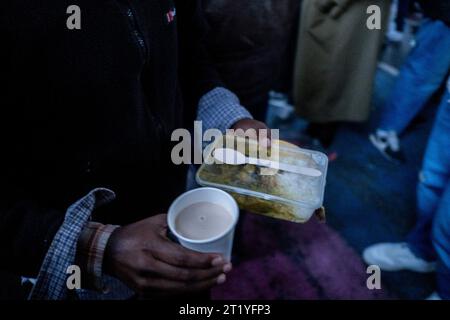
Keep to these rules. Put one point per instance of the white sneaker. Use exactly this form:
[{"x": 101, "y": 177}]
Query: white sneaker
[
  {"x": 388, "y": 143},
  {"x": 434, "y": 296},
  {"x": 396, "y": 257},
  {"x": 395, "y": 36},
  {"x": 279, "y": 102}
]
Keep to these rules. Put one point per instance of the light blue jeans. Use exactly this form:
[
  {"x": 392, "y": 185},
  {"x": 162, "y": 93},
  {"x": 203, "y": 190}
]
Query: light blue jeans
[
  {"x": 421, "y": 76},
  {"x": 430, "y": 238}
]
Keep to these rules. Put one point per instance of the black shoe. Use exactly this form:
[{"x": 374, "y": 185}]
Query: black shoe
[{"x": 324, "y": 132}]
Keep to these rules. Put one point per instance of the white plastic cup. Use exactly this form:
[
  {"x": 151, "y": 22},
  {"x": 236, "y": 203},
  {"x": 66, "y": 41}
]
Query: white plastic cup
[{"x": 222, "y": 243}]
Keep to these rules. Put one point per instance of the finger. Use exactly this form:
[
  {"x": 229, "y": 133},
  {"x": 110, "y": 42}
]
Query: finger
[
  {"x": 170, "y": 272},
  {"x": 176, "y": 255},
  {"x": 160, "y": 223}
]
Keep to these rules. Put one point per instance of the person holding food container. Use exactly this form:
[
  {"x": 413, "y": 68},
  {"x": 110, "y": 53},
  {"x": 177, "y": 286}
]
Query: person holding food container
[{"x": 86, "y": 121}]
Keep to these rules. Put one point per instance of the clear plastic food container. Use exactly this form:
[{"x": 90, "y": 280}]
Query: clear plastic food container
[{"x": 275, "y": 193}]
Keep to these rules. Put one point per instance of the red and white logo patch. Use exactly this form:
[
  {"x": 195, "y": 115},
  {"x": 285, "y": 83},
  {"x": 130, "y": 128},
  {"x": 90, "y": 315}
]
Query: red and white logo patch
[{"x": 170, "y": 16}]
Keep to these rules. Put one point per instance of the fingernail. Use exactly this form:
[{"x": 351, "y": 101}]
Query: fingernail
[
  {"x": 217, "y": 261},
  {"x": 227, "y": 268},
  {"x": 221, "y": 279}
]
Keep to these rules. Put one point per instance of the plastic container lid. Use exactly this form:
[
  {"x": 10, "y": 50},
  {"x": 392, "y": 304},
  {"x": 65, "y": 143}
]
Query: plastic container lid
[{"x": 277, "y": 193}]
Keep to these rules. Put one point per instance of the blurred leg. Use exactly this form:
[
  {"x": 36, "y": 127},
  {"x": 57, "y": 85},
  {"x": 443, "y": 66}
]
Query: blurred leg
[
  {"x": 441, "y": 242},
  {"x": 434, "y": 179},
  {"x": 421, "y": 76}
]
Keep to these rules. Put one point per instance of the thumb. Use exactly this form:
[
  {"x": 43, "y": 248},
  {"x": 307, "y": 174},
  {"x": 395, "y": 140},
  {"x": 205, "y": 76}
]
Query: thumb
[{"x": 160, "y": 220}]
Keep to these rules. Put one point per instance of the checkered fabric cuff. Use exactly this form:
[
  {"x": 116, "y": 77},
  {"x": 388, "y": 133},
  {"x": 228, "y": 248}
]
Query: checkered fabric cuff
[
  {"x": 90, "y": 252},
  {"x": 51, "y": 282},
  {"x": 220, "y": 109}
]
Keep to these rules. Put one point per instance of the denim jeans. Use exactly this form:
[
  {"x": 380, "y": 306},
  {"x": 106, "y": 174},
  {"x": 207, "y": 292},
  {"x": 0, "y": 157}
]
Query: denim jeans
[
  {"x": 421, "y": 76},
  {"x": 430, "y": 238}
]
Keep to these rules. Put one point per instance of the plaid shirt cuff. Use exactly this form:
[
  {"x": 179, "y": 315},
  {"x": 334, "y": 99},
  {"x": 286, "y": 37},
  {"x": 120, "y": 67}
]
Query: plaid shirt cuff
[
  {"x": 90, "y": 252},
  {"x": 220, "y": 109},
  {"x": 51, "y": 282}
]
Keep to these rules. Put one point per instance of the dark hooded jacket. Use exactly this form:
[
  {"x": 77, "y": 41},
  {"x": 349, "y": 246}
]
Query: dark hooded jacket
[{"x": 89, "y": 108}]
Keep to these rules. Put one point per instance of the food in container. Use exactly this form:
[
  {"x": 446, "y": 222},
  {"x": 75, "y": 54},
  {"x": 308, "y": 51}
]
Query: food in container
[{"x": 271, "y": 192}]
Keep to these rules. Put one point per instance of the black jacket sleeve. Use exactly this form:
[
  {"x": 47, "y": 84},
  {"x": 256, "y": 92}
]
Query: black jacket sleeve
[
  {"x": 198, "y": 74},
  {"x": 26, "y": 226}
]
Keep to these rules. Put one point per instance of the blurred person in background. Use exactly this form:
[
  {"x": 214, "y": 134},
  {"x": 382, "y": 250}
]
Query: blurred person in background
[
  {"x": 427, "y": 246},
  {"x": 400, "y": 12},
  {"x": 336, "y": 60},
  {"x": 421, "y": 76},
  {"x": 249, "y": 42}
]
